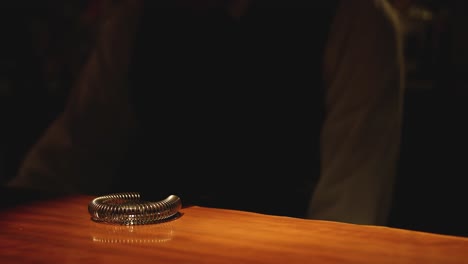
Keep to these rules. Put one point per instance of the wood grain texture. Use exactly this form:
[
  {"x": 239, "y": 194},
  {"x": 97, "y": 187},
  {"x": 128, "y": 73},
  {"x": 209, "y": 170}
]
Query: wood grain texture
[{"x": 60, "y": 231}]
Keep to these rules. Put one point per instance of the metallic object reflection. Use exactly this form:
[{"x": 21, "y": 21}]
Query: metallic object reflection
[{"x": 121, "y": 234}]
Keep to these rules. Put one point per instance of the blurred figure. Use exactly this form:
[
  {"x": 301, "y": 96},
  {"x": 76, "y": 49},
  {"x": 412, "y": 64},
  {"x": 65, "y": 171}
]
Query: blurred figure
[
  {"x": 250, "y": 105},
  {"x": 41, "y": 51}
]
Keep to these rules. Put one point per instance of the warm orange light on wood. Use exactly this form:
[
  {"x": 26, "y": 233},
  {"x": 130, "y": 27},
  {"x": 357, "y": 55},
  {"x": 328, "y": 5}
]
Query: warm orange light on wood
[{"x": 60, "y": 231}]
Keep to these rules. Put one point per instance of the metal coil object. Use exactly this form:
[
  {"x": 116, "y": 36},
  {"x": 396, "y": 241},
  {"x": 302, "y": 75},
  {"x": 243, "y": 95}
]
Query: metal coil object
[{"x": 128, "y": 209}]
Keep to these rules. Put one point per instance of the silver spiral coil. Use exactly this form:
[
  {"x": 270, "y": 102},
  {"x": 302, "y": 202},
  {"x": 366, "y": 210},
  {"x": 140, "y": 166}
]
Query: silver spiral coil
[{"x": 128, "y": 209}]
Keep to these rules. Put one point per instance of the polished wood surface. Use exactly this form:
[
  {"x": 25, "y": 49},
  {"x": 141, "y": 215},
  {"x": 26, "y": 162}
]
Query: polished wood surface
[{"x": 60, "y": 231}]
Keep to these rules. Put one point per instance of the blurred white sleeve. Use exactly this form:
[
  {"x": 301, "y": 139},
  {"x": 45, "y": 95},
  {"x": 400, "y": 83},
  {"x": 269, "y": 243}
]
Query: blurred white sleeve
[
  {"x": 361, "y": 132},
  {"x": 82, "y": 148}
]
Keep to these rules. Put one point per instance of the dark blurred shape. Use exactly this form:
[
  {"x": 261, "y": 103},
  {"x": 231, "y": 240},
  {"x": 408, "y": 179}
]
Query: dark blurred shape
[
  {"x": 431, "y": 193},
  {"x": 13, "y": 197},
  {"x": 43, "y": 46}
]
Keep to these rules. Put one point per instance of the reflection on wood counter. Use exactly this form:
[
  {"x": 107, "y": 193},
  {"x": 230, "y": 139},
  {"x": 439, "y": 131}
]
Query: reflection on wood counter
[{"x": 60, "y": 231}]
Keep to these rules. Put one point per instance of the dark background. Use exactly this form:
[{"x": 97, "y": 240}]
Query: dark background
[
  {"x": 431, "y": 193},
  {"x": 44, "y": 44}
]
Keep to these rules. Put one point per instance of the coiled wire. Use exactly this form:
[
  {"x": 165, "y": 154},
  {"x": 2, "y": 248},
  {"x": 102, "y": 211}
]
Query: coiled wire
[{"x": 128, "y": 209}]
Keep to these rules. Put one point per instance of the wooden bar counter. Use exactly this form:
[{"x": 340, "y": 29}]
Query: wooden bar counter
[{"x": 59, "y": 230}]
